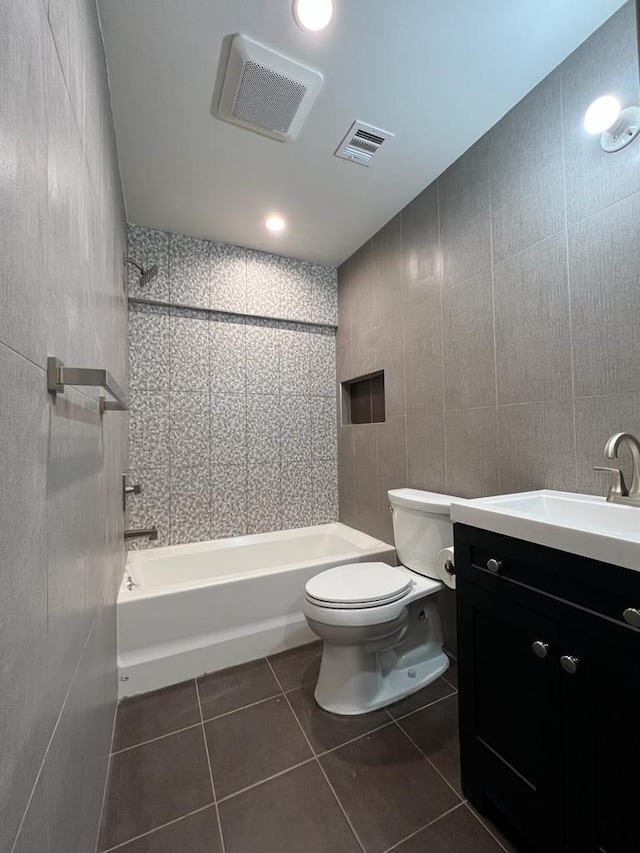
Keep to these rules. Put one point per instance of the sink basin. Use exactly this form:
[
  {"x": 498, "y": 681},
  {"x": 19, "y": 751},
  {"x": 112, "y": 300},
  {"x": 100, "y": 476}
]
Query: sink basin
[{"x": 579, "y": 524}]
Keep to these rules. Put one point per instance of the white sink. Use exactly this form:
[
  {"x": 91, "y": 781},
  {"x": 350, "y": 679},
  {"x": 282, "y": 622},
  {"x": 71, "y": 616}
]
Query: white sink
[{"x": 579, "y": 524}]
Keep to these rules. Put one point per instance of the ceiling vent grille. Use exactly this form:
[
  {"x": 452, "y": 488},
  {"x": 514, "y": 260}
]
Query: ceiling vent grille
[
  {"x": 266, "y": 92},
  {"x": 362, "y": 143}
]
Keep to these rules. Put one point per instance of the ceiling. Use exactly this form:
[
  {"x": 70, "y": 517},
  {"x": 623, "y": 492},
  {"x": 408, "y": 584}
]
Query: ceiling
[{"x": 437, "y": 73}]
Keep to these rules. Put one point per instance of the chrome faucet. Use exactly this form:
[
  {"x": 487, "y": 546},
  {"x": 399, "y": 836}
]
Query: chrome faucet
[
  {"x": 150, "y": 533},
  {"x": 619, "y": 493}
]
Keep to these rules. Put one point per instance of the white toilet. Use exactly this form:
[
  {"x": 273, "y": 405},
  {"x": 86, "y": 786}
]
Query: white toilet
[{"x": 380, "y": 625}]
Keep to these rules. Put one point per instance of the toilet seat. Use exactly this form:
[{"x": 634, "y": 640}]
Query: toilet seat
[{"x": 358, "y": 586}]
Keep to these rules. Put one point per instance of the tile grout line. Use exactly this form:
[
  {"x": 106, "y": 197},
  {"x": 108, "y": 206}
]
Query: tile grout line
[
  {"x": 454, "y": 692},
  {"x": 600, "y": 210},
  {"x": 213, "y": 787},
  {"x": 539, "y": 401},
  {"x": 50, "y": 742},
  {"x": 426, "y": 826},
  {"x": 155, "y": 739},
  {"x": 324, "y": 752},
  {"x": 353, "y": 739},
  {"x": 495, "y": 338},
  {"x": 567, "y": 258},
  {"x": 442, "y": 345},
  {"x": 453, "y": 686},
  {"x": 404, "y": 349},
  {"x": 157, "y": 828},
  {"x": 106, "y": 781},
  {"x": 211, "y": 336},
  {"x": 321, "y": 768},
  {"x": 170, "y": 464},
  {"x": 253, "y": 785},
  {"x": 242, "y": 707},
  {"x": 426, "y": 757},
  {"x": 483, "y": 824}
]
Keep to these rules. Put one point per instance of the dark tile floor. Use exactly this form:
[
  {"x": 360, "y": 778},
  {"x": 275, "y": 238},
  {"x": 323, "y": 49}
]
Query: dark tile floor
[{"x": 244, "y": 761}]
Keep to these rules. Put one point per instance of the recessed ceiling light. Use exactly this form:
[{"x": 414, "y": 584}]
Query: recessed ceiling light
[
  {"x": 275, "y": 223},
  {"x": 313, "y": 15},
  {"x": 602, "y": 113}
]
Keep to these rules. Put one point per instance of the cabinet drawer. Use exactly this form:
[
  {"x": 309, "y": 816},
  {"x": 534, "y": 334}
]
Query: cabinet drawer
[{"x": 494, "y": 562}]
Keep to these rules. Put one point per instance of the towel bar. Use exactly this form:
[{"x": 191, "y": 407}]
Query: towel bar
[{"x": 58, "y": 376}]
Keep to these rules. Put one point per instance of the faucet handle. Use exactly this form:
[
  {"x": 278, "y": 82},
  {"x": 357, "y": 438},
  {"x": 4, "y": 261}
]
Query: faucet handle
[{"x": 618, "y": 487}]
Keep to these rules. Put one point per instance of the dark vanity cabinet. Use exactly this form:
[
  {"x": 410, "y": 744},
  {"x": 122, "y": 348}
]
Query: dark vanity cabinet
[{"x": 549, "y": 680}]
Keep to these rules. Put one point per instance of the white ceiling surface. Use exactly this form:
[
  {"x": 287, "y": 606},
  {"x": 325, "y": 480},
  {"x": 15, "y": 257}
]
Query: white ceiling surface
[{"x": 437, "y": 73}]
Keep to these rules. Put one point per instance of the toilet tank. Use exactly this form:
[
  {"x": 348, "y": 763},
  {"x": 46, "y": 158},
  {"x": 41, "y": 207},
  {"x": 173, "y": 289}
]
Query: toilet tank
[{"x": 421, "y": 527}]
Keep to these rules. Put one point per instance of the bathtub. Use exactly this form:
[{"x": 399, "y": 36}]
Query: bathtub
[{"x": 202, "y": 607}]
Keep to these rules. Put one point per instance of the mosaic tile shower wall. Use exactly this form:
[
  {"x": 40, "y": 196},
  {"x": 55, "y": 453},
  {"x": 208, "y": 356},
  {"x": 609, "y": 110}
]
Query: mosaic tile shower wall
[{"x": 233, "y": 409}]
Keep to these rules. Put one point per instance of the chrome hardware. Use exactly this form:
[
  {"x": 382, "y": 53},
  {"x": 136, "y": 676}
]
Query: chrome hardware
[
  {"x": 150, "y": 533},
  {"x": 540, "y": 649},
  {"x": 390, "y": 508},
  {"x": 135, "y": 489},
  {"x": 145, "y": 275},
  {"x": 569, "y": 663},
  {"x": 632, "y": 617},
  {"x": 619, "y": 493},
  {"x": 58, "y": 376},
  {"x": 494, "y": 565},
  {"x": 130, "y": 583}
]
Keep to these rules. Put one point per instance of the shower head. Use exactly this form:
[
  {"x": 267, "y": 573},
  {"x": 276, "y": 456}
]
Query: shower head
[{"x": 145, "y": 275}]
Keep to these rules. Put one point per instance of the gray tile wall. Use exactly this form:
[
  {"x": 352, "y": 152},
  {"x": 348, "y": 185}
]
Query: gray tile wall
[
  {"x": 503, "y": 305},
  {"x": 233, "y": 423},
  {"x": 62, "y": 234}
]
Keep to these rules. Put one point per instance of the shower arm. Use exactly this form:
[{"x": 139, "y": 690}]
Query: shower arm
[{"x": 138, "y": 266}]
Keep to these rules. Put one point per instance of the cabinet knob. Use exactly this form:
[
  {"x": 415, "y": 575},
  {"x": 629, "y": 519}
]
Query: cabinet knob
[
  {"x": 569, "y": 663},
  {"x": 540, "y": 649},
  {"x": 494, "y": 566},
  {"x": 632, "y": 617}
]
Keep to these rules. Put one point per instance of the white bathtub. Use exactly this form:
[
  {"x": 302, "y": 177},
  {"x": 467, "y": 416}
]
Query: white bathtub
[{"x": 202, "y": 607}]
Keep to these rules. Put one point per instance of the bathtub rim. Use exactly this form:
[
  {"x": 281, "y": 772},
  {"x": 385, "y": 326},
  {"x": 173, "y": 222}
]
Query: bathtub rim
[{"x": 368, "y": 546}]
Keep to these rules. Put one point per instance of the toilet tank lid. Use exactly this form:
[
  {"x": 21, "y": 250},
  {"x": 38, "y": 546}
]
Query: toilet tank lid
[{"x": 424, "y": 501}]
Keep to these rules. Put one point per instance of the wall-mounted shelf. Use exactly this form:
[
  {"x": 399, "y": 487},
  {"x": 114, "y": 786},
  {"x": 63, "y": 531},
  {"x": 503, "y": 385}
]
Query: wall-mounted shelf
[{"x": 58, "y": 376}]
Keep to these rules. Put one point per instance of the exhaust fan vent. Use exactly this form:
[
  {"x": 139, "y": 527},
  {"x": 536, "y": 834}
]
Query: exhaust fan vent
[
  {"x": 266, "y": 92},
  {"x": 362, "y": 142}
]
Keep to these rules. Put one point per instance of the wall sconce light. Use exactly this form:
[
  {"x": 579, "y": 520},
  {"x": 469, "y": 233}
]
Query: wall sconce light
[{"x": 617, "y": 127}]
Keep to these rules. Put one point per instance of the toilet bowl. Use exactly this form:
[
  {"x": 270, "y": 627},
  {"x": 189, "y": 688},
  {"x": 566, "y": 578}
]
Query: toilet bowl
[{"x": 380, "y": 624}]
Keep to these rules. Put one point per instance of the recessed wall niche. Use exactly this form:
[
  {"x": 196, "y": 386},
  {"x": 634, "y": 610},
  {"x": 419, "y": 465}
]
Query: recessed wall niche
[{"x": 363, "y": 400}]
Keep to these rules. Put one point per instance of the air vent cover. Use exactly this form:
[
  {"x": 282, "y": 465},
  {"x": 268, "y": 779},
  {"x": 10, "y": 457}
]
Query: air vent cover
[
  {"x": 266, "y": 92},
  {"x": 362, "y": 143}
]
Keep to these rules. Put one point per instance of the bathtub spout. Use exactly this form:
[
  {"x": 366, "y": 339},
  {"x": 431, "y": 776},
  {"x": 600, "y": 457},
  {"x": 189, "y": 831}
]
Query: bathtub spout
[{"x": 150, "y": 533}]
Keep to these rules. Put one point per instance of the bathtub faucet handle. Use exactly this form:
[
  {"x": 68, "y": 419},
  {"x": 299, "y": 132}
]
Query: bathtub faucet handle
[{"x": 133, "y": 489}]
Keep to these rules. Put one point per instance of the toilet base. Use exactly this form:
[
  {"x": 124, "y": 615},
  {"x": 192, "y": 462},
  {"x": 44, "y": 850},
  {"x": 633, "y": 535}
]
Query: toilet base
[{"x": 354, "y": 681}]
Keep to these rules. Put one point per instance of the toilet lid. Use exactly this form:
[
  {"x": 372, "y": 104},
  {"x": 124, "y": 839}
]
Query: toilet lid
[{"x": 358, "y": 585}]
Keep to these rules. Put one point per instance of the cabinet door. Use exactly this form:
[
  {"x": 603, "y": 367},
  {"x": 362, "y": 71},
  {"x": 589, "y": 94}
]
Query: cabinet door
[
  {"x": 601, "y": 702},
  {"x": 510, "y": 726}
]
